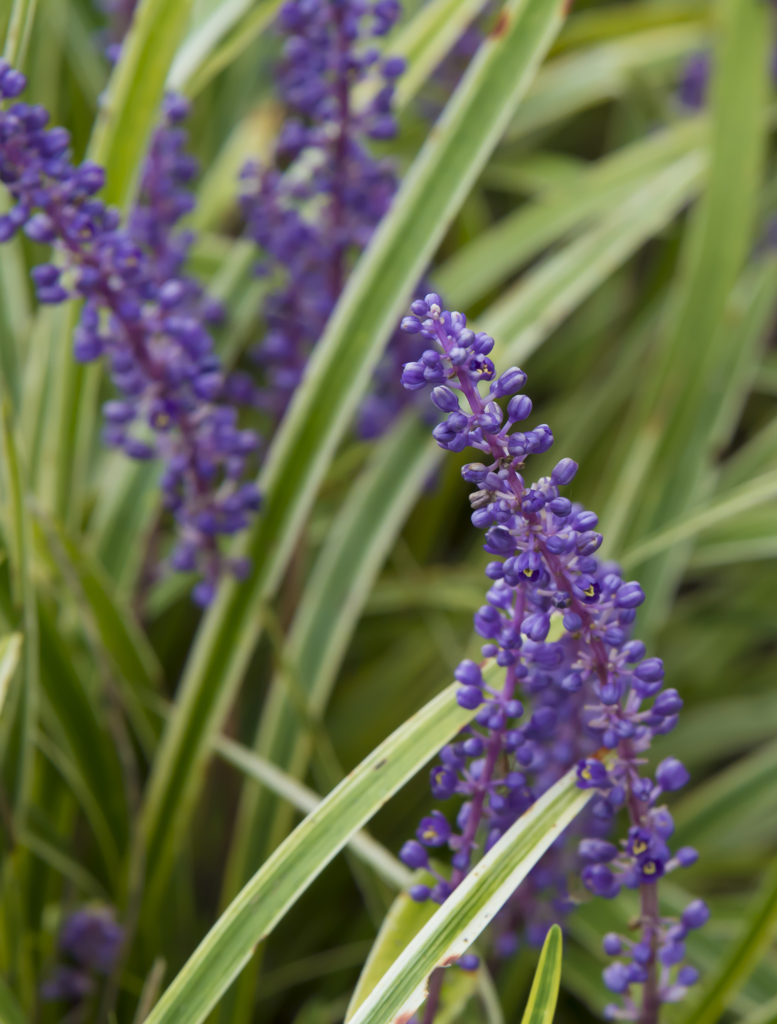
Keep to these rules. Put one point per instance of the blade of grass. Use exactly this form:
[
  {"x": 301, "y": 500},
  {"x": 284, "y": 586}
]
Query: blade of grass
[
  {"x": 19, "y": 29},
  {"x": 543, "y": 997},
  {"x": 283, "y": 878},
  {"x": 363, "y": 533},
  {"x": 235, "y": 43},
  {"x": 471, "y": 906},
  {"x": 10, "y": 650},
  {"x": 758, "y": 934},
  {"x": 19, "y": 540},
  {"x": 749, "y": 495},
  {"x": 723, "y": 801},
  {"x": 389, "y": 868},
  {"x": 577, "y": 81},
  {"x": 525, "y": 315},
  {"x": 492, "y": 256},
  {"x": 697, "y": 358},
  {"x": 10, "y": 1010},
  {"x": 325, "y": 402},
  {"x": 227, "y": 29}
]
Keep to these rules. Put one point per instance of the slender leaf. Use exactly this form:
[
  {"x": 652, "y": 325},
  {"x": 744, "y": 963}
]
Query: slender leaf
[
  {"x": 403, "y": 922},
  {"x": 385, "y": 864},
  {"x": 201, "y": 54},
  {"x": 758, "y": 934},
  {"x": 714, "y": 809},
  {"x": 10, "y": 1010},
  {"x": 352, "y": 555},
  {"x": 470, "y": 907},
  {"x": 326, "y": 400},
  {"x": 531, "y": 309},
  {"x": 283, "y": 878},
  {"x": 10, "y": 650},
  {"x": 130, "y": 110},
  {"x": 748, "y": 496},
  {"x": 685, "y": 393},
  {"x": 544, "y": 990},
  {"x": 492, "y": 256},
  {"x": 19, "y": 29},
  {"x": 596, "y": 74},
  {"x": 19, "y": 540}
]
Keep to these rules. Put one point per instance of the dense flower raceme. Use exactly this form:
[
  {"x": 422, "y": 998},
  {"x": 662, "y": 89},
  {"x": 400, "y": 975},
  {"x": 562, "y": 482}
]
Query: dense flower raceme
[
  {"x": 558, "y": 620},
  {"x": 321, "y": 204},
  {"x": 89, "y": 942},
  {"x": 143, "y": 315}
]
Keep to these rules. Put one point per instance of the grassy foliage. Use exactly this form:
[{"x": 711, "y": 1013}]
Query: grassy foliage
[{"x": 158, "y": 759}]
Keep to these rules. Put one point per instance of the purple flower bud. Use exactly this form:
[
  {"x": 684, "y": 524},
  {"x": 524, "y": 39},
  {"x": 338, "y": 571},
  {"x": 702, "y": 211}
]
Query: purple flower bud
[
  {"x": 597, "y": 851},
  {"x": 616, "y": 977},
  {"x": 519, "y": 408},
  {"x": 572, "y": 622},
  {"x": 536, "y": 627},
  {"x": 687, "y": 975},
  {"x": 41, "y": 228},
  {"x": 600, "y": 880},
  {"x": 410, "y": 325},
  {"x": 468, "y": 962},
  {"x": 696, "y": 914},
  {"x": 687, "y": 856},
  {"x": 560, "y": 507},
  {"x": 564, "y": 472},
  {"x": 651, "y": 670},
  {"x": 671, "y": 954},
  {"x": 668, "y": 702},
  {"x": 672, "y": 774},
  {"x": 445, "y": 399},
  {"x": 469, "y": 697},
  {"x": 419, "y": 893},
  {"x": 634, "y": 651},
  {"x": 413, "y": 376},
  {"x": 468, "y": 672},
  {"x": 413, "y": 855},
  {"x": 509, "y": 382},
  {"x": 630, "y": 595},
  {"x": 611, "y": 944}
]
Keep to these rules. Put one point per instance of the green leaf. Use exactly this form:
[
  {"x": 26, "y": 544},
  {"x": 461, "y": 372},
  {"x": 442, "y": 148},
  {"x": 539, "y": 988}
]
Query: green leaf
[
  {"x": 10, "y": 650},
  {"x": 326, "y": 401},
  {"x": 19, "y": 540},
  {"x": 597, "y": 74},
  {"x": 130, "y": 109},
  {"x": 544, "y": 990},
  {"x": 678, "y": 411},
  {"x": 10, "y": 1011},
  {"x": 727, "y": 506},
  {"x": 283, "y": 878},
  {"x": 716, "y": 808},
  {"x": 385, "y": 864},
  {"x": 17, "y": 38},
  {"x": 362, "y": 535},
  {"x": 524, "y": 316},
  {"x": 216, "y": 41},
  {"x": 124, "y": 641},
  {"x": 471, "y": 906},
  {"x": 403, "y": 922},
  {"x": 492, "y": 256},
  {"x": 758, "y": 934}
]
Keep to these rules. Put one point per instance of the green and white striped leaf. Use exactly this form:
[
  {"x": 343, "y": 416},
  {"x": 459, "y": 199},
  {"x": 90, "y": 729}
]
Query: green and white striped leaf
[
  {"x": 543, "y": 997},
  {"x": 283, "y": 878},
  {"x": 471, "y": 906}
]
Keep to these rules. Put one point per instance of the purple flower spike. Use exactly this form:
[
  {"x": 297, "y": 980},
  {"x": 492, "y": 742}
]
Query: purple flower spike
[
  {"x": 583, "y": 685},
  {"x": 140, "y": 312}
]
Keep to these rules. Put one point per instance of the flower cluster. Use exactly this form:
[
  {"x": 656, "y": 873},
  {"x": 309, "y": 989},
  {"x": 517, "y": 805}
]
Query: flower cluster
[
  {"x": 90, "y": 941},
  {"x": 319, "y": 207},
  {"x": 142, "y": 315},
  {"x": 558, "y": 620}
]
